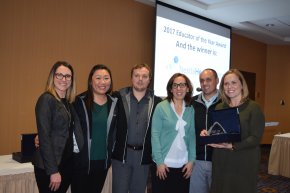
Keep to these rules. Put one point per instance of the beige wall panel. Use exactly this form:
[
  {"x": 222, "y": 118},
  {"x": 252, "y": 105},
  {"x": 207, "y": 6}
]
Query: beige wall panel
[
  {"x": 249, "y": 55},
  {"x": 35, "y": 34},
  {"x": 277, "y": 88}
]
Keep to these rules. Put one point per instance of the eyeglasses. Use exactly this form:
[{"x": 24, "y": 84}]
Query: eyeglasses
[
  {"x": 60, "y": 76},
  {"x": 180, "y": 85}
]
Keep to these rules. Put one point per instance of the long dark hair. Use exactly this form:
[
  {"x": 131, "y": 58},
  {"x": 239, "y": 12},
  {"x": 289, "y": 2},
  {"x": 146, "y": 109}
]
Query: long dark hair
[{"x": 90, "y": 95}]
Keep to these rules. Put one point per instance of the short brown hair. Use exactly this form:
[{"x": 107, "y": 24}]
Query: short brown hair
[{"x": 143, "y": 65}]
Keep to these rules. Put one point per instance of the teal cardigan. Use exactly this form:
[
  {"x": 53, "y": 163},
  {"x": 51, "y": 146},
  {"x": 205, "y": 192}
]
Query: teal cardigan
[{"x": 163, "y": 131}]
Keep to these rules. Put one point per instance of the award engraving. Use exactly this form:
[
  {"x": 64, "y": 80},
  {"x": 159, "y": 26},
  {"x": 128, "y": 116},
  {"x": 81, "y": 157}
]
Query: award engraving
[{"x": 216, "y": 129}]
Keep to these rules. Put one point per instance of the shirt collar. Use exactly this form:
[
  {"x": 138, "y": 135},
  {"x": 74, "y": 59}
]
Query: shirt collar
[{"x": 211, "y": 100}]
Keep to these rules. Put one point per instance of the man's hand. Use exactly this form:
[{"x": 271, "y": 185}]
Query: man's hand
[{"x": 203, "y": 133}]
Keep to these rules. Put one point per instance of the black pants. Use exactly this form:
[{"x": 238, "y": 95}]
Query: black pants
[
  {"x": 43, "y": 180},
  {"x": 79, "y": 181},
  {"x": 175, "y": 182},
  {"x": 82, "y": 182}
]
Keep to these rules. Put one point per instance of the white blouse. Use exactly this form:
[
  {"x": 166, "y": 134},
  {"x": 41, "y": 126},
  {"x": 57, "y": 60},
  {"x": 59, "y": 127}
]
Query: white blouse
[{"x": 178, "y": 154}]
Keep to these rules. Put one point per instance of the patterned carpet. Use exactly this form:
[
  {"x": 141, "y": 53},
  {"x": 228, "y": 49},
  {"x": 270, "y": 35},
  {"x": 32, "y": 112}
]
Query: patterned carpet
[{"x": 268, "y": 183}]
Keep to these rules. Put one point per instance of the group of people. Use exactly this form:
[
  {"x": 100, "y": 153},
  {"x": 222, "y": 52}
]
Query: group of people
[{"x": 136, "y": 132}]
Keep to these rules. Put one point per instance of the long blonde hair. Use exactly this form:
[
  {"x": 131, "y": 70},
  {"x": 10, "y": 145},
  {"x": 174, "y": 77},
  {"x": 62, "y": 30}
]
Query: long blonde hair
[
  {"x": 50, "y": 87},
  {"x": 245, "y": 90}
]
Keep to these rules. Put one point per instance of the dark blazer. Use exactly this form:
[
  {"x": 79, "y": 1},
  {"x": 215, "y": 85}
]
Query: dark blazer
[{"x": 53, "y": 121}]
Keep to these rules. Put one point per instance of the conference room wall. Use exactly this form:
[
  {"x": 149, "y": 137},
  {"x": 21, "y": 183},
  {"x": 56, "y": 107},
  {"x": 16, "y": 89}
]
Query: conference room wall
[
  {"x": 250, "y": 56},
  {"x": 272, "y": 67},
  {"x": 35, "y": 34},
  {"x": 277, "y": 89}
]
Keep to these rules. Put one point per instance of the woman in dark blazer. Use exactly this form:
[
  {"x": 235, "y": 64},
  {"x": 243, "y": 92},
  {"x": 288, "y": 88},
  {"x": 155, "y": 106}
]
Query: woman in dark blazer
[{"x": 58, "y": 129}]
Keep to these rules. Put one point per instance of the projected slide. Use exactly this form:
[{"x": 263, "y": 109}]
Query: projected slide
[{"x": 187, "y": 49}]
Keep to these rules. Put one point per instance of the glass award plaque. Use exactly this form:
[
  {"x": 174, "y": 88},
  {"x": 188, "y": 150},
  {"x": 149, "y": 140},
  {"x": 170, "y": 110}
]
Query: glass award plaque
[{"x": 225, "y": 127}]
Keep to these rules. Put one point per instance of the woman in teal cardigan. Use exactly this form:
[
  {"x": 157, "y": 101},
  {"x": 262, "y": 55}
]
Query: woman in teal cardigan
[{"x": 173, "y": 138}]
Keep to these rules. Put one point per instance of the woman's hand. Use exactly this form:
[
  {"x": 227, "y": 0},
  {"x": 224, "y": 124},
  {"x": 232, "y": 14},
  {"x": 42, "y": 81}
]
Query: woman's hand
[
  {"x": 222, "y": 145},
  {"x": 55, "y": 180},
  {"x": 187, "y": 170},
  {"x": 36, "y": 141},
  {"x": 161, "y": 171}
]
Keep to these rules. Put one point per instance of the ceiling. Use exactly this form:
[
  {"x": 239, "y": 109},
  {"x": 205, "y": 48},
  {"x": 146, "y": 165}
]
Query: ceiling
[{"x": 267, "y": 21}]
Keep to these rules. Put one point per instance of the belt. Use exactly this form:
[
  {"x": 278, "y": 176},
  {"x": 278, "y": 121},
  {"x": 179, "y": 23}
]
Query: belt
[{"x": 135, "y": 147}]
